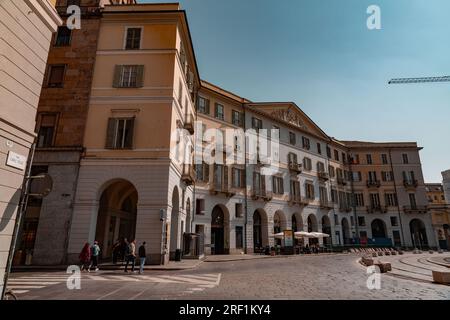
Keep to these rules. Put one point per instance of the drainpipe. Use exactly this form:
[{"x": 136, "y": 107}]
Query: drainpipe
[
  {"x": 355, "y": 217},
  {"x": 396, "y": 195},
  {"x": 245, "y": 193}
]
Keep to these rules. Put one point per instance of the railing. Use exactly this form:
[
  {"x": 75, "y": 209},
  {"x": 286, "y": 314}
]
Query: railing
[
  {"x": 221, "y": 188},
  {"x": 415, "y": 209},
  {"x": 188, "y": 174},
  {"x": 326, "y": 204},
  {"x": 294, "y": 199},
  {"x": 189, "y": 123},
  {"x": 373, "y": 209},
  {"x": 295, "y": 167},
  {"x": 373, "y": 183},
  {"x": 341, "y": 181},
  {"x": 410, "y": 183},
  {"x": 323, "y": 175}
]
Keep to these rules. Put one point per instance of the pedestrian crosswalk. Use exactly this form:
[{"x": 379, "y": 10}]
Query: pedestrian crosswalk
[{"x": 22, "y": 284}]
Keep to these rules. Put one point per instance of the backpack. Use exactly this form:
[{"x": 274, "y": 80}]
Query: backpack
[{"x": 128, "y": 249}]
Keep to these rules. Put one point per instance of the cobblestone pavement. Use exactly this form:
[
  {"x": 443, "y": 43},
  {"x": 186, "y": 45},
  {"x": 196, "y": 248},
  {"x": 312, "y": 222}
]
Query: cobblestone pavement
[{"x": 294, "y": 277}]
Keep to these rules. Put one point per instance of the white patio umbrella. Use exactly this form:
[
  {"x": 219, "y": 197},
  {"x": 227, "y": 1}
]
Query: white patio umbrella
[
  {"x": 303, "y": 234},
  {"x": 320, "y": 235},
  {"x": 279, "y": 235}
]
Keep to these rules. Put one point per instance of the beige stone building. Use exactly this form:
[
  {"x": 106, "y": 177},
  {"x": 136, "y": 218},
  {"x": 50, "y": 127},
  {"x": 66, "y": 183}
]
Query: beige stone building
[
  {"x": 26, "y": 29},
  {"x": 440, "y": 213}
]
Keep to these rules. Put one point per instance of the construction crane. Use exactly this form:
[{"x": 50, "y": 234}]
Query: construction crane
[{"x": 419, "y": 80}]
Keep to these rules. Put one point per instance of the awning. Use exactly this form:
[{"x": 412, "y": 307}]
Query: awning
[{"x": 278, "y": 235}]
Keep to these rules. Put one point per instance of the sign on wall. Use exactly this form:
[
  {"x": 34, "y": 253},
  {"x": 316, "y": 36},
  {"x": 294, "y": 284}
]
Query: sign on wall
[{"x": 16, "y": 160}]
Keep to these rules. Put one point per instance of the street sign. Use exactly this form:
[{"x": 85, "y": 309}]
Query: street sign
[{"x": 16, "y": 160}]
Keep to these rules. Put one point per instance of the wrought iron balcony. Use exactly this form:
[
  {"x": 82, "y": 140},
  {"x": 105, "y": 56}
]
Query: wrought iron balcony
[
  {"x": 188, "y": 174},
  {"x": 374, "y": 209},
  {"x": 326, "y": 204},
  {"x": 324, "y": 176},
  {"x": 294, "y": 199},
  {"x": 189, "y": 123},
  {"x": 341, "y": 181},
  {"x": 415, "y": 209},
  {"x": 295, "y": 167},
  {"x": 373, "y": 183},
  {"x": 410, "y": 184}
]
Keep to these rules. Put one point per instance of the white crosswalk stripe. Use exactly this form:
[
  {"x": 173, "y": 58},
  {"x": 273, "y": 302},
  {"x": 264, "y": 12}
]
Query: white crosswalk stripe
[{"x": 196, "y": 282}]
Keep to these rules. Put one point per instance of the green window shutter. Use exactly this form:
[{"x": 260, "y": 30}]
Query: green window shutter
[
  {"x": 130, "y": 134},
  {"x": 117, "y": 76},
  {"x": 140, "y": 76},
  {"x": 110, "y": 133}
]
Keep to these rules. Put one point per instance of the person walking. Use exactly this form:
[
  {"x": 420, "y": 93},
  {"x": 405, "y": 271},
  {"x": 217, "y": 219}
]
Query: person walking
[
  {"x": 95, "y": 252},
  {"x": 142, "y": 256},
  {"x": 85, "y": 257},
  {"x": 131, "y": 255}
]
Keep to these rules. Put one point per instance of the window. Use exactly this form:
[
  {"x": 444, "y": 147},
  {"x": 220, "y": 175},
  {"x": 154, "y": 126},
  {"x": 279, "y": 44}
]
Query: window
[
  {"x": 63, "y": 37},
  {"x": 356, "y": 159},
  {"x": 46, "y": 133},
  {"x": 372, "y": 176},
  {"x": 323, "y": 194},
  {"x": 292, "y": 158},
  {"x": 334, "y": 196},
  {"x": 203, "y": 105},
  {"x": 319, "y": 148},
  {"x": 200, "y": 206},
  {"x": 409, "y": 177},
  {"x": 391, "y": 199},
  {"x": 412, "y": 200},
  {"x": 120, "y": 133},
  {"x": 394, "y": 221},
  {"x": 387, "y": 176},
  {"x": 309, "y": 191},
  {"x": 352, "y": 221},
  {"x": 405, "y": 158},
  {"x": 237, "y": 118},
  {"x": 220, "y": 177},
  {"x": 359, "y": 200},
  {"x": 320, "y": 167},
  {"x": 56, "y": 76},
  {"x": 133, "y": 40},
  {"x": 219, "y": 114},
  {"x": 292, "y": 138},
  {"x": 306, "y": 143},
  {"x": 295, "y": 189},
  {"x": 238, "y": 178},
  {"x": 357, "y": 176},
  {"x": 336, "y": 155},
  {"x": 239, "y": 237},
  {"x": 202, "y": 172},
  {"x": 307, "y": 164},
  {"x": 361, "y": 221},
  {"x": 180, "y": 94},
  {"x": 128, "y": 76},
  {"x": 344, "y": 158},
  {"x": 374, "y": 200},
  {"x": 331, "y": 171},
  {"x": 259, "y": 183},
  {"x": 328, "y": 152},
  {"x": 384, "y": 159},
  {"x": 369, "y": 158},
  {"x": 256, "y": 124},
  {"x": 277, "y": 185},
  {"x": 339, "y": 173},
  {"x": 239, "y": 208}
]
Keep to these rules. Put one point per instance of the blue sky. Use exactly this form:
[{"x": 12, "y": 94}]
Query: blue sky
[{"x": 320, "y": 55}]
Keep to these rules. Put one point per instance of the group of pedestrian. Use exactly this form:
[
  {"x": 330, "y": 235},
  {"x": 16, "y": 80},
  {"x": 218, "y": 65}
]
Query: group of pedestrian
[
  {"x": 123, "y": 250},
  {"x": 89, "y": 256}
]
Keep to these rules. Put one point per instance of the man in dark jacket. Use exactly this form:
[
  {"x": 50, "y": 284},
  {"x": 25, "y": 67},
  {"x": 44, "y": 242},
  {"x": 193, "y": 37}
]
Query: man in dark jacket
[{"x": 142, "y": 256}]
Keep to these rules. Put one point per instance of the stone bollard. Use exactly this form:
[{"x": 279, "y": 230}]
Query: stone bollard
[
  {"x": 384, "y": 267},
  {"x": 367, "y": 261},
  {"x": 442, "y": 277}
]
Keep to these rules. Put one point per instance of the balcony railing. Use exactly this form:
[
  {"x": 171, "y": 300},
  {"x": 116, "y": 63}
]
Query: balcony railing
[
  {"x": 410, "y": 183},
  {"x": 295, "y": 167},
  {"x": 341, "y": 181},
  {"x": 326, "y": 204},
  {"x": 189, "y": 123},
  {"x": 373, "y": 184},
  {"x": 415, "y": 209},
  {"x": 374, "y": 209},
  {"x": 306, "y": 201},
  {"x": 324, "y": 176},
  {"x": 295, "y": 199},
  {"x": 188, "y": 174}
]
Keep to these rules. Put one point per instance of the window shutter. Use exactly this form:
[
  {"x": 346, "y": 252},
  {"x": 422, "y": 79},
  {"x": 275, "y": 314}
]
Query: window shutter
[
  {"x": 225, "y": 177},
  {"x": 191, "y": 81},
  {"x": 110, "y": 133},
  {"x": 117, "y": 76},
  {"x": 140, "y": 76},
  {"x": 207, "y": 106},
  {"x": 383, "y": 175},
  {"x": 243, "y": 182},
  {"x": 412, "y": 176},
  {"x": 233, "y": 178},
  {"x": 404, "y": 176},
  {"x": 263, "y": 184},
  {"x": 129, "y": 137},
  {"x": 274, "y": 185}
]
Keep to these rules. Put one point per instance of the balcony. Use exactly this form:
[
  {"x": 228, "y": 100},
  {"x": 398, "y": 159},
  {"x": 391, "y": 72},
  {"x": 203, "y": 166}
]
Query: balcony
[
  {"x": 375, "y": 209},
  {"x": 189, "y": 123},
  {"x": 326, "y": 205},
  {"x": 188, "y": 174},
  {"x": 373, "y": 184},
  {"x": 323, "y": 176},
  {"x": 345, "y": 209},
  {"x": 306, "y": 201},
  {"x": 410, "y": 184},
  {"x": 415, "y": 209},
  {"x": 257, "y": 194},
  {"x": 341, "y": 181},
  {"x": 294, "y": 199},
  {"x": 295, "y": 167},
  {"x": 218, "y": 188}
]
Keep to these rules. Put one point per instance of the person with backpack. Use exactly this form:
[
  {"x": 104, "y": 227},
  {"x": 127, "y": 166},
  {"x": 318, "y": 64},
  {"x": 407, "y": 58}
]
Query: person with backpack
[
  {"x": 95, "y": 252},
  {"x": 131, "y": 255},
  {"x": 85, "y": 257},
  {"x": 142, "y": 256}
]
